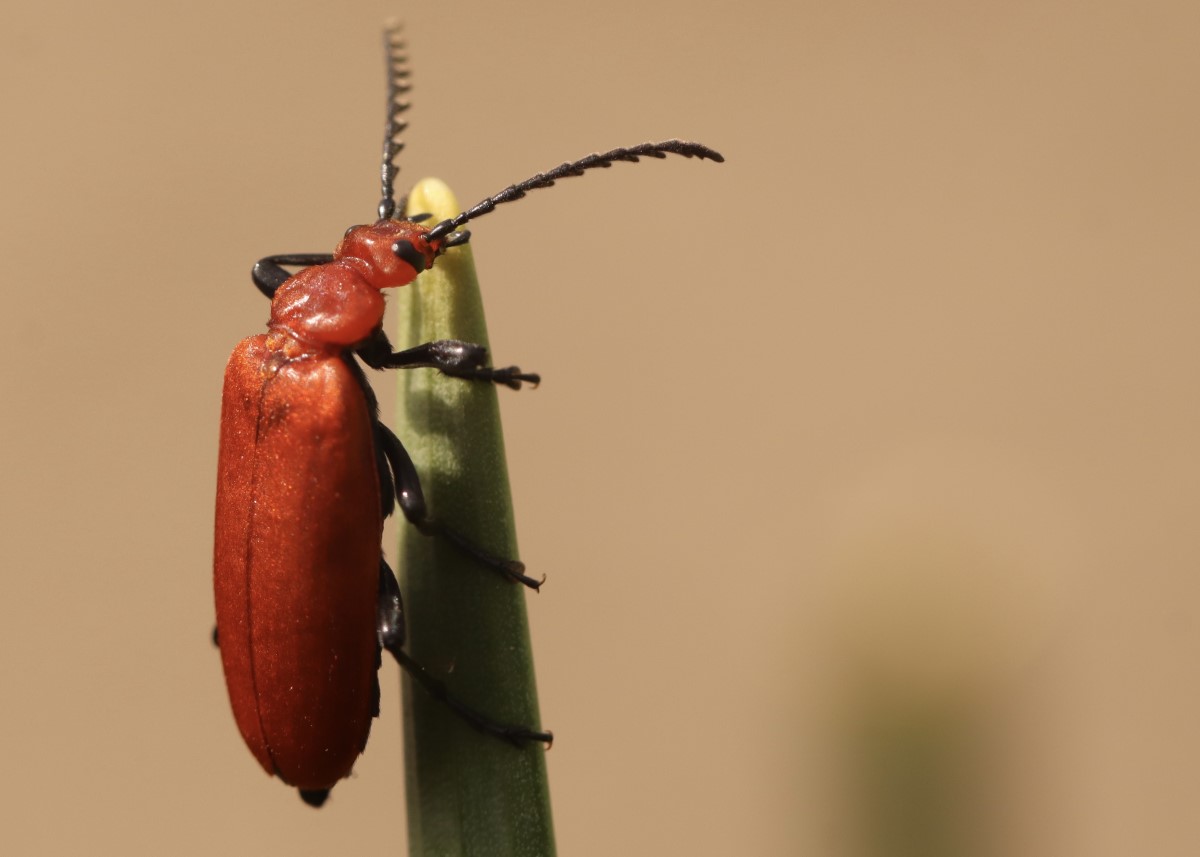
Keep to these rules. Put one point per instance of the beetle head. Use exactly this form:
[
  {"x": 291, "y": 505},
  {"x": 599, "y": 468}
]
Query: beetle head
[{"x": 390, "y": 252}]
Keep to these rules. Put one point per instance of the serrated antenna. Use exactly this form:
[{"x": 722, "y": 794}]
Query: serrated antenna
[
  {"x": 446, "y": 228},
  {"x": 396, "y": 60}
]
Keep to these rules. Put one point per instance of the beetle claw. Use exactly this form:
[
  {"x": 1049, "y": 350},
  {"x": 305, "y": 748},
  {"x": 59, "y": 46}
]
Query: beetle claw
[
  {"x": 524, "y": 735},
  {"x": 514, "y": 569}
]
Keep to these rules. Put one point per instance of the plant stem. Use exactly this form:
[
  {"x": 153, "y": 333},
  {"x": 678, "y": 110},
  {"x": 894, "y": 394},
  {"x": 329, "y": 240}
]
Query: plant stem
[{"x": 467, "y": 793}]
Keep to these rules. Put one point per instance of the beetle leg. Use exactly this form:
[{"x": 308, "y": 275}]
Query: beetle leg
[
  {"x": 268, "y": 274},
  {"x": 391, "y": 637},
  {"x": 387, "y": 486},
  {"x": 412, "y": 504},
  {"x": 390, "y": 610},
  {"x": 387, "y": 483},
  {"x": 449, "y": 356}
]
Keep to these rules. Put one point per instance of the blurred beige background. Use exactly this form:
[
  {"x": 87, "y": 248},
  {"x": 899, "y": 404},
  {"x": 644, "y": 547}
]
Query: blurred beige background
[{"x": 864, "y": 471}]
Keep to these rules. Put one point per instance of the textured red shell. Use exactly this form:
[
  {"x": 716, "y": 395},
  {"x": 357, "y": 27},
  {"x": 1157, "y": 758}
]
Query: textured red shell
[{"x": 296, "y": 569}]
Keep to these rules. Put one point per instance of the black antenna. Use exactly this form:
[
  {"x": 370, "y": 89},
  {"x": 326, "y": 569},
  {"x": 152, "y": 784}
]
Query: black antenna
[
  {"x": 396, "y": 61},
  {"x": 576, "y": 168}
]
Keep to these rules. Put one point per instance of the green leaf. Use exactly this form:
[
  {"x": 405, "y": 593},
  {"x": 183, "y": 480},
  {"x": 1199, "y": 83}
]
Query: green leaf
[{"x": 467, "y": 793}]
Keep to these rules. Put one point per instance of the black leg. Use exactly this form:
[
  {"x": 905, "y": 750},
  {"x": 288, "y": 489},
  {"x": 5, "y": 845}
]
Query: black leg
[
  {"x": 268, "y": 274},
  {"x": 387, "y": 488},
  {"x": 412, "y": 503},
  {"x": 391, "y": 637},
  {"x": 398, "y": 479},
  {"x": 389, "y": 612},
  {"x": 449, "y": 356},
  {"x": 387, "y": 484}
]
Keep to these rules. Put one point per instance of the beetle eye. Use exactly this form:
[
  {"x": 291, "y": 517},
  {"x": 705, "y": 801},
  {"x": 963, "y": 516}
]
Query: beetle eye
[
  {"x": 405, "y": 251},
  {"x": 346, "y": 234}
]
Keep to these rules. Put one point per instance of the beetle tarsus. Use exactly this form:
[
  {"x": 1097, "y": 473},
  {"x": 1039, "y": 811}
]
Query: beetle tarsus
[
  {"x": 451, "y": 357},
  {"x": 513, "y": 569},
  {"x": 391, "y": 632},
  {"x": 518, "y": 736},
  {"x": 407, "y": 486},
  {"x": 510, "y": 376}
]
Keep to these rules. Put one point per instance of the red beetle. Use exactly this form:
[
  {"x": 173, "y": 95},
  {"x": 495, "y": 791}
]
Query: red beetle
[{"x": 307, "y": 473}]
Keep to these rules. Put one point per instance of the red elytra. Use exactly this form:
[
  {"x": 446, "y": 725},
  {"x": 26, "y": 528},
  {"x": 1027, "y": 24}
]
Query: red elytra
[{"x": 298, "y": 521}]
